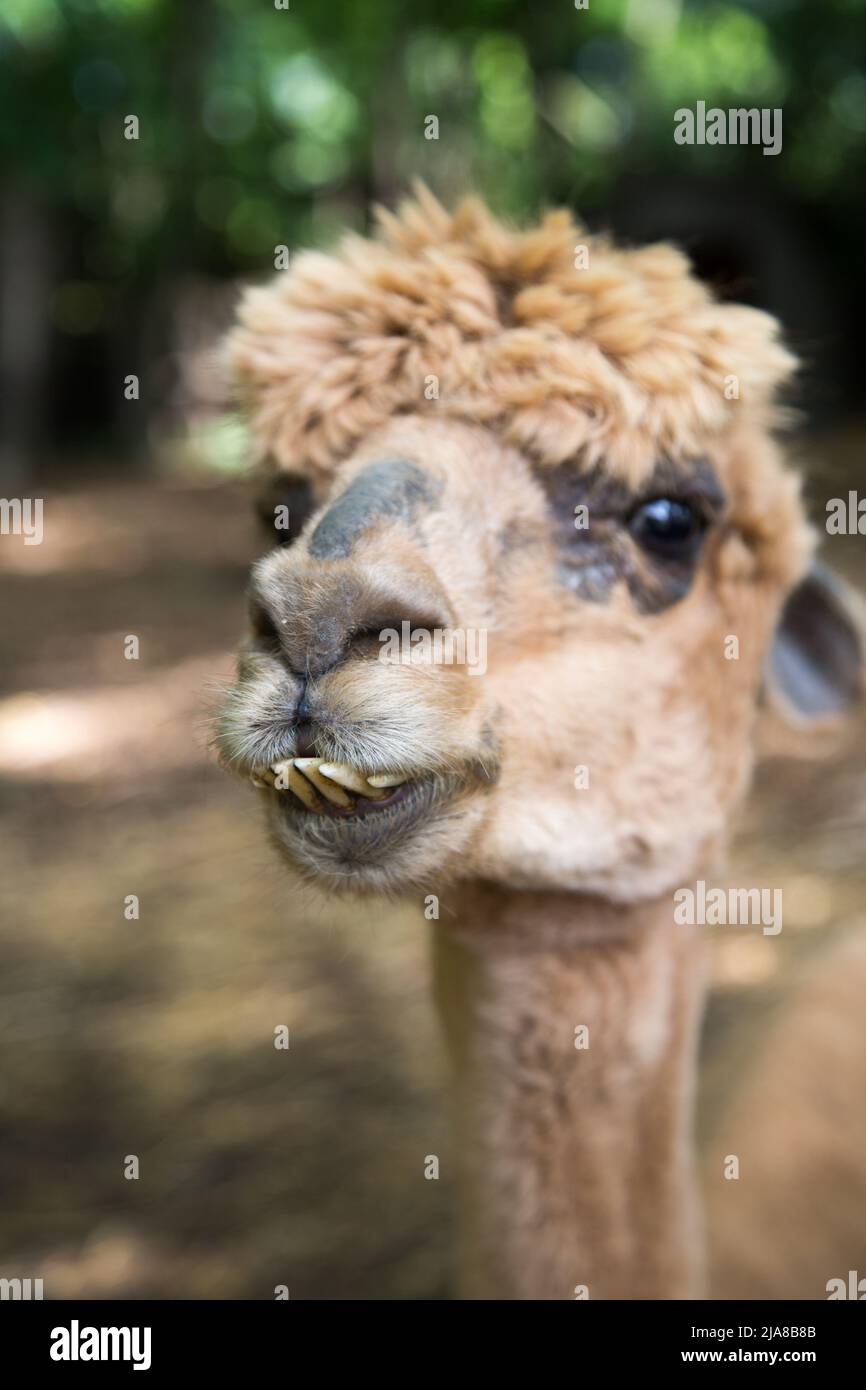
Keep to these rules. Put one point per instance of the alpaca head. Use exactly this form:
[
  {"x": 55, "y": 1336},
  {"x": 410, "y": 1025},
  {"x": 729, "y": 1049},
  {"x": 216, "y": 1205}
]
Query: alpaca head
[{"x": 543, "y": 556}]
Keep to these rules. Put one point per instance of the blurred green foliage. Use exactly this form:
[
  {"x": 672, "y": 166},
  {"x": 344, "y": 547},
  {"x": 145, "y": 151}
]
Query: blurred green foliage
[{"x": 261, "y": 125}]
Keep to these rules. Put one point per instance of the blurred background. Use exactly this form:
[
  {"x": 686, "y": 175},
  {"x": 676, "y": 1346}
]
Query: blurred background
[{"x": 260, "y": 127}]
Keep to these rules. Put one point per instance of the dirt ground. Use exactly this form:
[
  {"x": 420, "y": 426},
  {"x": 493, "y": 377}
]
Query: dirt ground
[{"x": 154, "y": 1037}]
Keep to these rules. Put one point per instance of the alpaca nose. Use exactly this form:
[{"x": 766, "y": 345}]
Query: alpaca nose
[{"x": 315, "y": 622}]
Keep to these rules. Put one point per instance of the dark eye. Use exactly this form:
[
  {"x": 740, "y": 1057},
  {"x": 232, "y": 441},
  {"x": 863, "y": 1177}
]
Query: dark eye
[{"x": 670, "y": 528}]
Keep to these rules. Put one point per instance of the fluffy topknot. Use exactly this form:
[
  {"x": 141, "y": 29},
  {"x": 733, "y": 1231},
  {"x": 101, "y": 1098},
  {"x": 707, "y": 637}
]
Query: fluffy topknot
[{"x": 461, "y": 315}]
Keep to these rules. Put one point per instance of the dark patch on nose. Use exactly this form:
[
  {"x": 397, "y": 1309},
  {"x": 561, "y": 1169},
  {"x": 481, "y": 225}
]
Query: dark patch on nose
[{"x": 393, "y": 489}]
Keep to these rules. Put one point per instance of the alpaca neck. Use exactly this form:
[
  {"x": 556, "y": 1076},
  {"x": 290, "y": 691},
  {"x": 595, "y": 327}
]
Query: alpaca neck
[{"x": 575, "y": 1161}]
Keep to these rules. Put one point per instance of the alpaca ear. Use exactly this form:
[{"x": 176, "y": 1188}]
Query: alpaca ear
[{"x": 815, "y": 671}]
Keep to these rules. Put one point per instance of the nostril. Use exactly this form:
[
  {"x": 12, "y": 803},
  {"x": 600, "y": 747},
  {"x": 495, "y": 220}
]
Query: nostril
[
  {"x": 372, "y": 635},
  {"x": 364, "y": 637}
]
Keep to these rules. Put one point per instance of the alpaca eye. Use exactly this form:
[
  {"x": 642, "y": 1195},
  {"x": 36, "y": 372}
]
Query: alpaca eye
[{"x": 670, "y": 528}]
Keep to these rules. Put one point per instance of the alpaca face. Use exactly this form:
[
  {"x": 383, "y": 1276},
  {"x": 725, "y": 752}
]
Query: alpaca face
[
  {"x": 524, "y": 631},
  {"x": 552, "y": 676}
]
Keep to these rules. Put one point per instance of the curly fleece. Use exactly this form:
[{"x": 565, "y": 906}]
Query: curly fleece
[{"x": 612, "y": 364}]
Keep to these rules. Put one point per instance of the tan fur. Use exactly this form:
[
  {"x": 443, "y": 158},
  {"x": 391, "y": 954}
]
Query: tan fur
[
  {"x": 578, "y": 1167},
  {"x": 615, "y": 362}
]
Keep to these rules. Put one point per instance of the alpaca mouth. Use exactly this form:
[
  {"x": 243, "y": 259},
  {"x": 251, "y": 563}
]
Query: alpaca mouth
[
  {"x": 324, "y": 788},
  {"x": 350, "y": 828}
]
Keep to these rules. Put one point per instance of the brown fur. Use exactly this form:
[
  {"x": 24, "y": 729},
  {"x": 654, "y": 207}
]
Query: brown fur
[{"x": 578, "y": 1163}]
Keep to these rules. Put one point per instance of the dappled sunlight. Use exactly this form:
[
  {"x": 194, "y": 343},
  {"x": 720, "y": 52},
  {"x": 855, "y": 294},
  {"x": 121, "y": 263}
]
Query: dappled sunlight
[
  {"x": 744, "y": 960},
  {"x": 124, "y": 735}
]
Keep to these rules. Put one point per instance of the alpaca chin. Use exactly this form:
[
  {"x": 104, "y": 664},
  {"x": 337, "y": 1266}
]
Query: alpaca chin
[{"x": 396, "y": 849}]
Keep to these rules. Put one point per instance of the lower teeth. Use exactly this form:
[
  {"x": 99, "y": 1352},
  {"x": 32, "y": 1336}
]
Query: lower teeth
[{"x": 314, "y": 781}]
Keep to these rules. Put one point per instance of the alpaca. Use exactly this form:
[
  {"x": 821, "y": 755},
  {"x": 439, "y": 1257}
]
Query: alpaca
[{"x": 574, "y": 455}]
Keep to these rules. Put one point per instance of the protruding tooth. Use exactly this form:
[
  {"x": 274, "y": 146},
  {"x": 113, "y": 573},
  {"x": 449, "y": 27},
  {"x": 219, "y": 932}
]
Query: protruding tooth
[
  {"x": 386, "y": 779},
  {"x": 310, "y": 768},
  {"x": 289, "y": 779},
  {"x": 281, "y": 778},
  {"x": 348, "y": 777}
]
